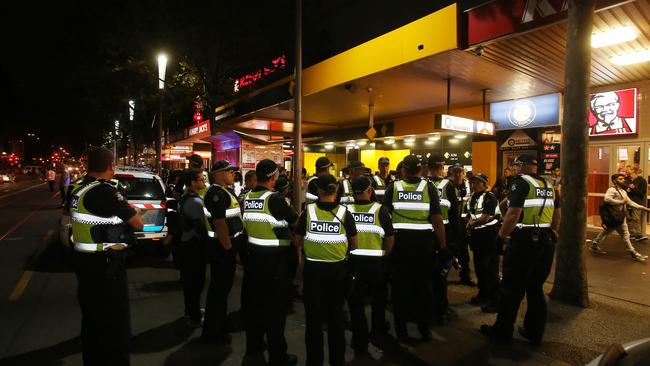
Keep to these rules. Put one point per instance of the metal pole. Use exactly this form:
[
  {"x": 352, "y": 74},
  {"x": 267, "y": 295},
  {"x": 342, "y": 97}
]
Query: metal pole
[
  {"x": 448, "y": 94},
  {"x": 160, "y": 135},
  {"x": 297, "y": 123},
  {"x": 115, "y": 151}
]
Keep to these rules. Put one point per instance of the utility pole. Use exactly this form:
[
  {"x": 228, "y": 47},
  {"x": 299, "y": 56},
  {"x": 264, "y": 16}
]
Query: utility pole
[
  {"x": 570, "y": 283},
  {"x": 297, "y": 119}
]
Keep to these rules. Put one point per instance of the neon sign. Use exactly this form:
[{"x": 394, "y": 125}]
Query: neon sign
[{"x": 249, "y": 79}]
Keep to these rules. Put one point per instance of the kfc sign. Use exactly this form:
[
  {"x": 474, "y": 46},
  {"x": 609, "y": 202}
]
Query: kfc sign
[
  {"x": 613, "y": 113},
  {"x": 502, "y": 17}
]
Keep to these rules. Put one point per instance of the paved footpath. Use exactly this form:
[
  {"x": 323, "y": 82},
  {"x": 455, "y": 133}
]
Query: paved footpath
[{"x": 39, "y": 313}]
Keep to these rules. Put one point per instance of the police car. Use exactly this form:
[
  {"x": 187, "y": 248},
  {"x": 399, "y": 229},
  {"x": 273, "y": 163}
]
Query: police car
[{"x": 143, "y": 190}]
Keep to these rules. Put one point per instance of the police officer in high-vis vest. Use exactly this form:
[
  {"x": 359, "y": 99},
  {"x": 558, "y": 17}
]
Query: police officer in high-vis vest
[
  {"x": 225, "y": 229},
  {"x": 482, "y": 226},
  {"x": 344, "y": 195},
  {"x": 323, "y": 165},
  {"x": 326, "y": 232},
  {"x": 267, "y": 218},
  {"x": 193, "y": 227},
  {"x": 382, "y": 179},
  {"x": 460, "y": 246},
  {"x": 419, "y": 231},
  {"x": 101, "y": 224},
  {"x": 376, "y": 239},
  {"x": 531, "y": 223},
  {"x": 449, "y": 210}
]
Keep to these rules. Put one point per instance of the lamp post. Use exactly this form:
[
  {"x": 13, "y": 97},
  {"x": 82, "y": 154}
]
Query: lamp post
[
  {"x": 162, "y": 66},
  {"x": 117, "y": 135},
  {"x": 131, "y": 151}
]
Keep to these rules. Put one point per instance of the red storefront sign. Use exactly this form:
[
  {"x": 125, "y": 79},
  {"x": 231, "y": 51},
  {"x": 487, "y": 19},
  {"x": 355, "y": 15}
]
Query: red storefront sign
[
  {"x": 613, "y": 113},
  {"x": 199, "y": 131},
  {"x": 503, "y": 17}
]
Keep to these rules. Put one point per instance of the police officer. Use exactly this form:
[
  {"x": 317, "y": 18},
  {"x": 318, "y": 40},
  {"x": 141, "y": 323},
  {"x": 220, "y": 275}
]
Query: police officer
[
  {"x": 322, "y": 167},
  {"x": 442, "y": 261},
  {"x": 376, "y": 239},
  {"x": 101, "y": 224},
  {"x": 195, "y": 162},
  {"x": 460, "y": 247},
  {"x": 383, "y": 178},
  {"x": 224, "y": 242},
  {"x": 416, "y": 218},
  {"x": 194, "y": 236},
  {"x": 531, "y": 223},
  {"x": 267, "y": 218},
  {"x": 344, "y": 195},
  {"x": 483, "y": 225},
  {"x": 325, "y": 231}
]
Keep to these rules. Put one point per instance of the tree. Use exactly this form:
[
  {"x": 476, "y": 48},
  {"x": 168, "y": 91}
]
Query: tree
[{"x": 570, "y": 269}]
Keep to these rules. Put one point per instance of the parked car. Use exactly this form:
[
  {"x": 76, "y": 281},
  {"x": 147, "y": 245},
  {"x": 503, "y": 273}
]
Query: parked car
[
  {"x": 143, "y": 190},
  {"x": 629, "y": 354},
  {"x": 7, "y": 178}
]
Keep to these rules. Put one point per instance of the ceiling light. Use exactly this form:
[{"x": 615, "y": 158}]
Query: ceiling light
[
  {"x": 389, "y": 141},
  {"x": 329, "y": 146},
  {"x": 429, "y": 142},
  {"x": 453, "y": 141},
  {"x": 433, "y": 138},
  {"x": 613, "y": 36},
  {"x": 632, "y": 58},
  {"x": 409, "y": 143},
  {"x": 361, "y": 142},
  {"x": 410, "y": 139},
  {"x": 460, "y": 137}
]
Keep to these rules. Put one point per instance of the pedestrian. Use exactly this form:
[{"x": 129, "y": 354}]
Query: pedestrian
[
  {"x": 531, "y": 224},
  {"x": 638, "y": 192},
  {"x": 64, "y": 181},
  {"x": 267, "y": 218},
  {"x": 323, "y": 165},
  {"x": 383, "y": 178},
  {"x": 195, "y": 162},
  {"x": 618, "y": 200},
  {"x": 556, "y": 178},
  {"x": 102, "y": 227},
  {"x": 224, "y": 242},
  {"x": 51, "y": 177},
  {"x": 250, "y": 182},
  {"x": 483, "y": 226},
  {"x": 449, "y": 211},
  {"x": 369, "y": 268},
  {"x": 326, "y": 232},
  {"x": 415, "y": 208},
  {"x": 193, "y": 240},
  {"x": 460, "y": 246}
]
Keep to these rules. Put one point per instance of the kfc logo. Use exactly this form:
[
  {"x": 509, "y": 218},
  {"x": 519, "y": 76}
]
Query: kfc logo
[{"x": 613, "y": 113}]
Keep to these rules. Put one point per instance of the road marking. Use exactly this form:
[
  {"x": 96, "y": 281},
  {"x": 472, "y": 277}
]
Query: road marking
[
  {"x": 22, "y": 190},
  {"x": 18, "y": 291},
  {"x": 21, "y": 286},
  {"x": 17, "y": 225}
]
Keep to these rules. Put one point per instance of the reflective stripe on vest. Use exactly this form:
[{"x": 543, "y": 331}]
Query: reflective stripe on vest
[
  {"x": 370, "y": 233},
  {"x": 347, "y": 198},
  {"x": 259, "y": 222},
  {"x": 540, "y": 199},
  {"x": 479, "y": 209},
  {"x": 445, "y": 204},
  {"x": 369, "y": 252},
  {"x": 411, "y": 215},
  {"x": 310, "y": 197},
  {"x": 325, "y": 238},
  {"x": 381, "y": 185}
]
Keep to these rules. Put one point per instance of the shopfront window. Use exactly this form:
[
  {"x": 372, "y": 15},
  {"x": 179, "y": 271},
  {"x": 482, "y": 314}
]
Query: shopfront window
[{"x": 598, "y": 181}]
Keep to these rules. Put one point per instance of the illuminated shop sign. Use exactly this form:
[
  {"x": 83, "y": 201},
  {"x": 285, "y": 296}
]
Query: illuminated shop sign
[
  {"x": 613, "y": 113},
  {"x": 249, "y": 79},
  {"x": 540, "y": 111},
  {"x": 199, "y": 129},
  {"x": 460, "y": 124}
]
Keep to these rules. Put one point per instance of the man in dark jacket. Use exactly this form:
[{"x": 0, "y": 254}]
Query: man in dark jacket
[{"x": 637, "y": 190}]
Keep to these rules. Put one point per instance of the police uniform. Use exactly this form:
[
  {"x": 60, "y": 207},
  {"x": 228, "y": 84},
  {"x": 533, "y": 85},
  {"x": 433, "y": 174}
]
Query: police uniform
[
  {"x": 380, "y": 187},
  {"x": 368, "y": 265},
  {"x": 412, "y": 201},
  {"x": 266, "y": 282},
  {"x": 326, "y": 228},
  {"x": 193, "y": 227},
  {"x": 221, "y": 203},
  {"x": 441, "y": 261},
  {"x": 345, "y": 195},
  {"x": 99, "y": 234},
  {"x": 483, "y": 244},
  {"x": 461, "y": 243},
  {"x": 528, "y": 258},
  {"x": 311, "y": 195}
]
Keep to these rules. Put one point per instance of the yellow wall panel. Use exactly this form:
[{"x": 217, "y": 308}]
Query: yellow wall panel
[{"x": 484, "y": 159}]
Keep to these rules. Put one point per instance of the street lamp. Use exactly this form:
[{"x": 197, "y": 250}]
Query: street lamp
[{"x": 162, "y": 66}]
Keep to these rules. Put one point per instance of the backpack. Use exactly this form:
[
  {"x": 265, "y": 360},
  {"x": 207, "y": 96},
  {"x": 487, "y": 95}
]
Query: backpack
[{"x": 610, "y": 215}]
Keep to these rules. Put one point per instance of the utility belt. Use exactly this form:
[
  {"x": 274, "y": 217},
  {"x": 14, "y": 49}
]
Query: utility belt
[
  {"x": 99, "y": 248},
  {"x": 213, "y": 234},
  {"x": 258, "y": 249}
]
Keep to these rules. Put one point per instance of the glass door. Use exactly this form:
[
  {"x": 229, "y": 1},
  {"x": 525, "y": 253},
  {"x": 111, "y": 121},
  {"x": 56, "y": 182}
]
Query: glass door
[{"x": 598, "y": 179}]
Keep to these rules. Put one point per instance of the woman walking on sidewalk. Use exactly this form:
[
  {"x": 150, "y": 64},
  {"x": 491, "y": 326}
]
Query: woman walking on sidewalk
[{"x": 618, "y": 200}]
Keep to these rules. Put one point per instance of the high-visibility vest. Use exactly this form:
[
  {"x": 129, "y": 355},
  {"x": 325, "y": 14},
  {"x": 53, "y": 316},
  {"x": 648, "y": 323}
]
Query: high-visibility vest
[
  {"x": 539, "y": 205},
  {"x": 381, "y": 186},
  {"x": 476, "y": 211},
  {"x": 369, "y": 230},
  {"x": 259, "y": 222},
  {"x": 233, "y": 215},
  {"x": 464, "y": 201},
  {"x": 445, "y": 204},
  {"x": 347, "y": 198},
  {"x": 310, "y": 197},
  {"x": 325, "y": 239},
  {"x": 84, "y": 238},
  {"x": 411, "y": 206}
]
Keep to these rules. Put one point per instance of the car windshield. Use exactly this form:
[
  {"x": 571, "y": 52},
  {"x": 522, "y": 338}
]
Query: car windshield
[{"x": 133, "y": 188}]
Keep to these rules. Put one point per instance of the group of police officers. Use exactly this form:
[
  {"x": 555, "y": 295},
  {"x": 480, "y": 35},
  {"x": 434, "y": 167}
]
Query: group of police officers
[{"x": 353, "y": 238}]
